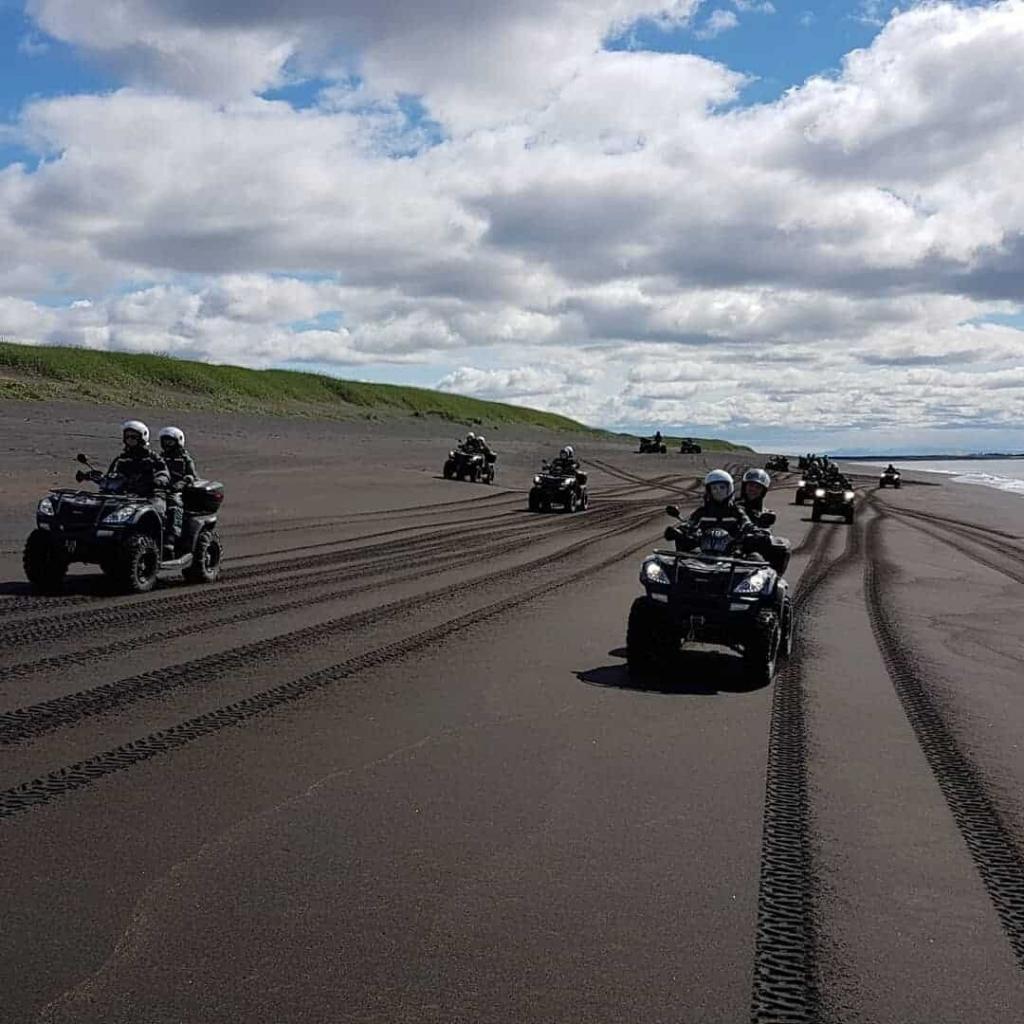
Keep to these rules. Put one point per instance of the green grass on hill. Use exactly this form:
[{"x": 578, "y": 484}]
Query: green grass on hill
[{"x": 50, "y": 373}]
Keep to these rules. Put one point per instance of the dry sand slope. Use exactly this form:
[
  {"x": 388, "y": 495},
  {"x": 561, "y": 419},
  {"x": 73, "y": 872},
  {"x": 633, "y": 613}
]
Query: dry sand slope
[{"x": 391, "y": 767}]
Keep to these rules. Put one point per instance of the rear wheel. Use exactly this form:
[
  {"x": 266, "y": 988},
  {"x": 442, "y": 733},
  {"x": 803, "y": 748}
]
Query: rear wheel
[
  {"x": 205, "y": 567},
  {"x": 651, "y": 645},
  {"x": 762, "y": 649},
  {"x": 43, "y": 562},
  {"x": 137, "y": 563}
]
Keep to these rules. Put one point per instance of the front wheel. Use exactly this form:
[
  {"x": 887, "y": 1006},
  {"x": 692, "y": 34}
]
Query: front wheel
[
  {"x": 849, "y": 518},
  {"x": 534, "y": 501},
  {"x": 762, "y": 649},
  {"x": 43, "y": 562},
  {"x": 205, "y": 567},
  {"x": 449, "y": 470},
  {"x": 788, "y": 630},
  {"x": 897, "y": 485},
  {"x": 815, "y": 516},
  {"x": 651, "y": 645},
  {"x": 137, "y": 563},
  {"x": 799, "y": 498}
]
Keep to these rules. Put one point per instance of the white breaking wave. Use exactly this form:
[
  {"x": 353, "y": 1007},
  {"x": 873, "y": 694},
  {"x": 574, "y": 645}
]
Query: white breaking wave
[{"x": 1002, "y": 483}]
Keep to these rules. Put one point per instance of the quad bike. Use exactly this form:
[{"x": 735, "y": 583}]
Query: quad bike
[
  {"x": 834, "y": 498},
  {"x": 689, "y": 447},
  {"x": 709, "y": 591},
  {"x": 123, "y": 533},
  {"x": 805, "y": 487},
  {"x": 649, "y": 446},
  {"x": 777, "y": 464},
  {"x": 890, "y": 479},
  {"x": 477, "y": 467},
  {"x": 550, "y": 488}
]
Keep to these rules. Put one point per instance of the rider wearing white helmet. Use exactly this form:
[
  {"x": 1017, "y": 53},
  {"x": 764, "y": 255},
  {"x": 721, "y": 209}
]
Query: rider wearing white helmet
[
  {"x": 753, "y": 490},
  {"x": 719, "y": 506},
  {"x": 143, "y": 471},
  {"x": 182, "y": 468}
]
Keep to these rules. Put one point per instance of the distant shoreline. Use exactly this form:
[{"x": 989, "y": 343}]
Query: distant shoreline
[{"x": 985, "y": 457}]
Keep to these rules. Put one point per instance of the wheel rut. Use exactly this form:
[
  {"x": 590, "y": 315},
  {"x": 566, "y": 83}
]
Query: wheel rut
[
  {"x": 786, "y": 988},
  {"x": 992, "y": 844},
  {"x": 84, "y": 773}
]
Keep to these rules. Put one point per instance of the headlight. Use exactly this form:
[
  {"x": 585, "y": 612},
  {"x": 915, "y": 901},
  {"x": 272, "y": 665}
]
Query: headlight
[
  {"x": 755, "y": 583},
  {"x": 45, "y": 507},
  {"x": 451, "y": 454},
  {"x": 653, "y": 572},
  {"x": 121, "y": 514},
  {"x": 536, "y": 481},
  {"x": 819, "y": 493},
  {"x": 848, "y": 495},
  {"x": 803, "y": 483}
]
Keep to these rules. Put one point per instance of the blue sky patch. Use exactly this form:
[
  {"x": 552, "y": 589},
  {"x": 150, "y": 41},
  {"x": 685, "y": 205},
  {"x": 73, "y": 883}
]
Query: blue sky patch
[{"x": 779, "y": 48}]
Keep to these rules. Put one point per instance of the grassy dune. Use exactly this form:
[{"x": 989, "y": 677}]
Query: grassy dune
[{"x": 49, "y": 373}]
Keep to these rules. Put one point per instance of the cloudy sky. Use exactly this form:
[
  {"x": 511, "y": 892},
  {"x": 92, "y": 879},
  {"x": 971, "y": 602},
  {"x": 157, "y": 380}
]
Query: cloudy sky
[{"x": 789, "y": 223}]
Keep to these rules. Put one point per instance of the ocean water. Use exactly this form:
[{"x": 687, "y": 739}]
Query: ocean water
[{"x": 1003, "y": 474}]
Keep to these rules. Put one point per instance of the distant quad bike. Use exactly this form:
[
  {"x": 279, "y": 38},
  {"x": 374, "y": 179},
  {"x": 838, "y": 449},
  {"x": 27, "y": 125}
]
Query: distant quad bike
[
  {"x": 777, "y": 464},
  {"x": 123, "y": 534},
  {"x": 649, "y": 446},
  {"x": 708, "y": 591},
  {"x": 834, "y": 498},
  {"x": 689, "y": 447},
  {"x": 805, "y": 487},
  {"x": 890, "y": 479},
  {"x": 475, "y": 466},
  {"x": 551, "y": 488}
]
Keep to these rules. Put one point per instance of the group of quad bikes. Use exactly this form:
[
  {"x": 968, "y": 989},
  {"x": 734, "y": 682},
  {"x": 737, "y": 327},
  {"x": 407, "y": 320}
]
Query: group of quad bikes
[
  {"x": 711, "y": 588},
  {"x": 656, "y": 446},
  {"x": 830, "y": 492}
]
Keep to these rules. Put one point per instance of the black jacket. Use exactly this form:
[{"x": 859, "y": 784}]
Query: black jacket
[
  {"x": 143, "y": 470},
  {"x": 728, "y": 515},
  {"x": 180, "y": 465}
]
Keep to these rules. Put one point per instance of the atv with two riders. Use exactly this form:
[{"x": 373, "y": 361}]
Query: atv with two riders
[
  {"x": 123, "y": 533},
  {"x": 470, "y": 464},
  {"x": 833, "y": 497},
  {"x": 559, "y": 486},
  {"x": 712, "y": 589},
  {"x": 777, "y": 464},
  {"x": 689, "y": 447}
]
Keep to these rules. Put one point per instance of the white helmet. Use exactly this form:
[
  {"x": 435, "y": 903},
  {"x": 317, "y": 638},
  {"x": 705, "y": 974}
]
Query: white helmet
[
  {"x": 482, "y": 439},
  {"x": 138, "y": 426},
  {"x": 572, "y": 451},
  {"x": 471, "y": 436},
  {"x": 174, "y": 434},
  {"x": 757, "y": 476},
  {"x": 565, "y": 453},
  {"x": 719, "y": 486}
]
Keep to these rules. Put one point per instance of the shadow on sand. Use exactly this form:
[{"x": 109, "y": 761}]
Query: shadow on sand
[{"x": 698, "y": 672}]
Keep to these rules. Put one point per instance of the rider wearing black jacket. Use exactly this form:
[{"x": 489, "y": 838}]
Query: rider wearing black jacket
[
  {"x": 143, "y": 471},
  {"x": 182, "y": 468},
  {"x": 719, "y": 506}
]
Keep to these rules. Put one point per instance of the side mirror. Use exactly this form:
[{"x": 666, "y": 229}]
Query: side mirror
[
  {"x": 670, "y": 533},
  {"x": 79, "y": 476},
  {"x": 766, "y": 519},
  {"x": 82, "y": 459},
  {"x": 672, "y": 510}
]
